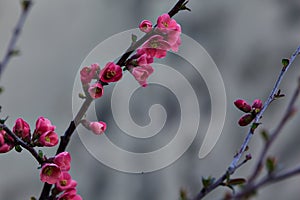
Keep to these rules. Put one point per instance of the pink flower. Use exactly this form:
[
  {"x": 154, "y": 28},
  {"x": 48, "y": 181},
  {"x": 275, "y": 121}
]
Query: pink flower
[
  {"x": 156, "y": 46},
  {"x": 242, "y": 105},
  {"x": 145, "y": 26},
  {"x": 63, "y": 160},
  {"x": 96, "y": 90},
  {"x": 42, "y": 125},
  {"x": 48, "y": 139},
  {"x": 50, "y": 173},
  {"x": 88, "y": 73},
  {"x": 144, "y": 59},
  {"x": 246, "y": 119},
  {"x": 111, "y": 73},
  {"x": 70, "y": 194},
  {"x": 257, "y": 105},
  {"x": 4, "y": 148},
  {"x": 98, "y": 127},
  {"x": 22, "y": 129},
  {"x": 165, "y": 23},
  {"x": 176, "y": 45},
  {"x": 142, "y": 73},
  {"x": 65, "y": 182},
  {"x": 6, "y": 142}
]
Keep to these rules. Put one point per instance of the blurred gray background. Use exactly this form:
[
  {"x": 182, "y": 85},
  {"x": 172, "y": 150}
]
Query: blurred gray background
[{"x": 246, "y": 39}]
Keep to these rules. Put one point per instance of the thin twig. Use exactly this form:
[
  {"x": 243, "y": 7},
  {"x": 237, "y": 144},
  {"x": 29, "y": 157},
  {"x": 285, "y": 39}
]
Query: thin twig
[
  {"x": 289, "y": 112},
  {"x": 233, "y": 165},
  {"x": 267, "y": 180},
  {"x": 26, "y": 5}
]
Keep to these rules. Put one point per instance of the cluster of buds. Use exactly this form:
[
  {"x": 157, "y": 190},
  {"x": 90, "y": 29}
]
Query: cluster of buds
[
  {"x": 251, "y": 111},
  {"x": 43, "y": 135},
  {"x": 166, "y": 36},
  {"x": 57, "y": 173}
]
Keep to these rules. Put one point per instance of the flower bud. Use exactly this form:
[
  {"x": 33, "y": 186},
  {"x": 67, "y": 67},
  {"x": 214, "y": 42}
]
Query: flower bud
[
  {"x": 246, "y": 119},
  {"x": 242, "y": 105},
  {"x": 22, "y": 129}
]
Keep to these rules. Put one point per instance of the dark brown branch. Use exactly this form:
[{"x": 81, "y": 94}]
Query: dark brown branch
[
  {"x": 23, "y": 144},
  {"x": 121, "y": 62}
]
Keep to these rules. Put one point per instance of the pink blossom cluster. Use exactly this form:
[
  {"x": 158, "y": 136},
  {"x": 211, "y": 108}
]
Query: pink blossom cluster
[
  {"x": 251, "y": 111},
  {"x": 43, "y": 134},
  {"x": 166, "y": 36},
  {"x": 57, "y": 173},
  {"x": 110, "y": 73}
]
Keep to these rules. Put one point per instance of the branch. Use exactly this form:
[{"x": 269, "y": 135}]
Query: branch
[
  {"x": 180, "y": 5},
  {"x": 288, "y": 114},
  {"x": 20, "y": 142},
  {"x": 234, "y": 164},
  {"x": 237, "y": 157},
  {"x": 26, "y": 5},
  {"x": 269, "y": 179}
]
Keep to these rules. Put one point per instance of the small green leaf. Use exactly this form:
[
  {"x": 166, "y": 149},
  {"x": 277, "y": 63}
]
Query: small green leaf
[
  {"x": 227, "y": 177},
  {"x": 81, "y": 96},
  {"x": 2, "y": 121},
  {"x": 32, "y": 198},
  {"x": 236, "y": 181},
  {"x": 41, "y": 154},
  {"x": 265, "y": 135},
  {"x": 133, "y": 38},
  {"x": 183, "y": 194},
  {"x": 285, "y": 62},
  {"x": 25, "y": 4},
  {"x": 18, "y": 148},
  {"x": 15, "y": 52},
  {"x": 207, "y": 181},
  {"x": 271, "y": 164},
  {"x": 254, "y": 126}
]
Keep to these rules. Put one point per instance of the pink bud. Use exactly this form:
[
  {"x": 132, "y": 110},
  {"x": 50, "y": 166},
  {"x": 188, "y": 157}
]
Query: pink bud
[
  {"x": 96, "y": 90},
  {"x": 65, "y": 182},
  {"x": 63, "y": 160},
  {"x": 110, "y": 73},
  {"x": 257, "y": 104},
  {"x": 98, "y": 127},
  {"x": 22, "y": 129},
  {"x": 50, "y": 173},
  {"x": 6, "y": 142},
  {"x": 145, "y": 26},
  {"x": 42, "y": 125},
  {"x": 245, "y": 120},
  {"x": 48, "y": 139},
  {"x": 242, "y": 105},
  {"x": 88, "y": 73}
]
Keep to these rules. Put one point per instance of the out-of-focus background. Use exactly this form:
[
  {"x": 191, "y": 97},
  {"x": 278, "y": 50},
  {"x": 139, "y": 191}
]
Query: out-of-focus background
[{"x": 246, "y": 39}]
